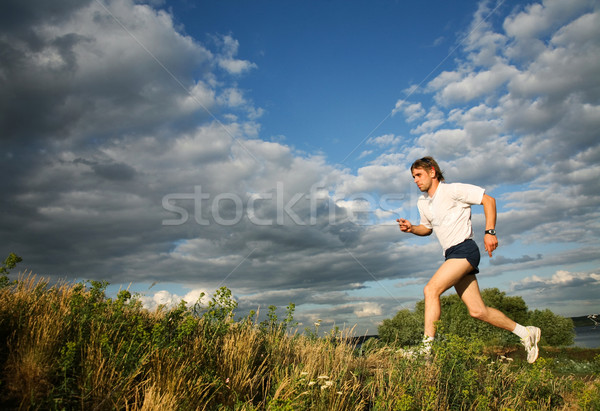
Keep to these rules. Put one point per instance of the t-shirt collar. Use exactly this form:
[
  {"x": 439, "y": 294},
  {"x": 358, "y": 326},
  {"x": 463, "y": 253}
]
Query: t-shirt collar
[{"x": 434, "y": 194}]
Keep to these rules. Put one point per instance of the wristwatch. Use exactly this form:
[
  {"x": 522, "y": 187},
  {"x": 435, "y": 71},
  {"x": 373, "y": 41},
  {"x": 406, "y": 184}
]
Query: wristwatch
[{"x": 491, "y": 232}]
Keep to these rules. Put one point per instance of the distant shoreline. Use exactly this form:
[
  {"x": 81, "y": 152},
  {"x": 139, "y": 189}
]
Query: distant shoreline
[{"x": 582, "y": 321}]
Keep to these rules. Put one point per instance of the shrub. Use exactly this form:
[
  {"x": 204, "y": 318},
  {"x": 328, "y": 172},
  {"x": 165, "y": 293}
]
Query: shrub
[
  {"x": 9, "y": 263},
  {"x": 556, "y": 330},
  {"x": 406, "y": 328}
]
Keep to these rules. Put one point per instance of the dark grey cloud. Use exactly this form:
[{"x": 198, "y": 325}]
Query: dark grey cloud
[
  {"x": 75, "y": 75},
  {"x": 22, "y": 15},
  {"x": 109, "y": 171},
  {"x": 502, "y": 260}
]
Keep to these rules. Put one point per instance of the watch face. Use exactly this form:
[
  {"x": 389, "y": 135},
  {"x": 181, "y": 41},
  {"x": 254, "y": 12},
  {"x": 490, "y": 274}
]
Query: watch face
[{"x": 492, "y": 232}]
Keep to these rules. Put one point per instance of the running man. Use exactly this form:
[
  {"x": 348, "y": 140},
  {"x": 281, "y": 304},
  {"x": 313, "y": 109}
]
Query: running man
[{"x": 445, "y": 210}]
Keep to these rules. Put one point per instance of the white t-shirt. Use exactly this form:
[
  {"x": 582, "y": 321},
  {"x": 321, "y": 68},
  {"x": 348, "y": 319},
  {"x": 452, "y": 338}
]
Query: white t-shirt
[{"x": 448, "y": 212}]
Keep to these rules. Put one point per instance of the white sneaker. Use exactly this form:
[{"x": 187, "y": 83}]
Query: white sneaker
[
  {"x": 531, "y": 342},
  {"x": 422, "y": 350}
]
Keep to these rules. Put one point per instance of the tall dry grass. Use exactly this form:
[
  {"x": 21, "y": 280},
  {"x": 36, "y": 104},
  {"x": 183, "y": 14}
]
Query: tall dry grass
[{"x": 68, "y": 346}]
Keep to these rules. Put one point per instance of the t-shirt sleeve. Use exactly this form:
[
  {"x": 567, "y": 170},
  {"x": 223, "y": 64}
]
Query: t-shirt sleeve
[{"x": 468, "y": 193}]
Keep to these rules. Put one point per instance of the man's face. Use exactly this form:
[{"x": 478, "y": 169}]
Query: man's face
[{"x": 423, "y": 178}]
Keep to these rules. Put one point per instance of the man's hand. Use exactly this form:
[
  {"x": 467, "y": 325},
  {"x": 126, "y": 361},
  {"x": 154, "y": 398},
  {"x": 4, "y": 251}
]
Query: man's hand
[
  {"x": 405, "y": 225},
  {"x": 491, "y": 243}
]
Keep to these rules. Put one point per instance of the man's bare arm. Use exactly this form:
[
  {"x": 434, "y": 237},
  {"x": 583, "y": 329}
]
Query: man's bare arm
[
  {"x": 407, "y": 227},
  {"x": 489, "y": 210}
]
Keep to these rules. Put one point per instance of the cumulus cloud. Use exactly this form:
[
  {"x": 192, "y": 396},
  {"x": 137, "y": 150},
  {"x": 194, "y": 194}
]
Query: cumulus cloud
[
  {"x": 226, "y": 58},
  {"x": 367, "y": 309},
  {"x": 475, "y": 85},
  {"x": 169, "y": 300},
  {"x": 412, "y": 111},
  {"x": 560, "y": 278},
  {"x": 384, "y": 140},
  {"x": 576, "y": 292}
]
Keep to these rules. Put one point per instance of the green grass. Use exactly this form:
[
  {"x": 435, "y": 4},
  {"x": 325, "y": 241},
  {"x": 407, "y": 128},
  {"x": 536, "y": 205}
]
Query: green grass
[{"x": 70, "y": 347}]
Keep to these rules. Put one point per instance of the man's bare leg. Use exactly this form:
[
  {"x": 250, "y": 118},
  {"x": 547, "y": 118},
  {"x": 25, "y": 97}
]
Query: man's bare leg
[
  {"x": 450, "y": 273},
  {"x": 468, "y": 290}
]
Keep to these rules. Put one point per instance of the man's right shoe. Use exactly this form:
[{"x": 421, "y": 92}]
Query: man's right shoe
[
  {"x": 422, "y": 350},
  {"x": 531, "y": 343}
]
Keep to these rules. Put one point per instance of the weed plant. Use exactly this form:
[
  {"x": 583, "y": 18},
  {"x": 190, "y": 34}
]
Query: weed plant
[{"x": 70, "y": 347}]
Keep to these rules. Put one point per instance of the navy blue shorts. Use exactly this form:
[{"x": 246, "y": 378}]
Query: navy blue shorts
[{"x": 467, "y": 249}]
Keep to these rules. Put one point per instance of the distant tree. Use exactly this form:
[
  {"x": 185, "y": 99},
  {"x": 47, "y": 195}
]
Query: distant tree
[
  {"x": 556, "y": 330},
  {"x": 406, "y": 328},
  {"x": 11, "y": 261}
]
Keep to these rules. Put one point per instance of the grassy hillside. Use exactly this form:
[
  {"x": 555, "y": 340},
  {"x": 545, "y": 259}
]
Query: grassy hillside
[{"x": 71, "y": 347}]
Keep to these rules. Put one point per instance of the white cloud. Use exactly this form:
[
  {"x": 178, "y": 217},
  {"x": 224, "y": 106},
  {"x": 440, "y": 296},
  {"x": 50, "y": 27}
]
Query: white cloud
[
  {"x": 367, "y": 309},
  {"x": 365, "y": 153},
  {"x": 384, "y": 140},
  {"x": 170, "y": 300},
  {"x": 412, "y": 111},
  {"x": 482, "y": 42},
  {"x": 539, "y": 18},
  {"x": 561, "y": 278},
  {"x": 226, "y": 59},
  {"x": 528, "y": 24},
  {"x": 433, "y": 119},
  {"x": 199, "y": 95},
  {"x": 373, "y": 178},
  {"x": 445, "y": 142},
  {"x": 475, "y": 85}
]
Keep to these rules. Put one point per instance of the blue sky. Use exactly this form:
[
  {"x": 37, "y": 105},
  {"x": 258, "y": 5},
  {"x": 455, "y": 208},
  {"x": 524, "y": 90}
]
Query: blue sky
[
  {"x": 174, "y": 147},
  {"x": 328, "y": 72}
]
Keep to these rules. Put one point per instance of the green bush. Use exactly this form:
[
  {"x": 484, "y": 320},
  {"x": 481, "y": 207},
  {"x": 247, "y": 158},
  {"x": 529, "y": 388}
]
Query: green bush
[
  {"x": 458, "y": 360},
  {"x": 9, "y": 263},
  {"x": 406, "y": 328},
  {"x": 556, "y": 330}
]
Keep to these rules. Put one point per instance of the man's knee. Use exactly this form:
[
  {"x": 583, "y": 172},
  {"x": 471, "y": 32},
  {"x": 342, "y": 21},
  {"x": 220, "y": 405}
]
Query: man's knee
[
  {"x": 479, "y": 313},
  {"x": 431, "y": 291}
]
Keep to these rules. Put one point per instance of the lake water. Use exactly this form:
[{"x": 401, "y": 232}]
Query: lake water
[{"x": 587, "y": 337}]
